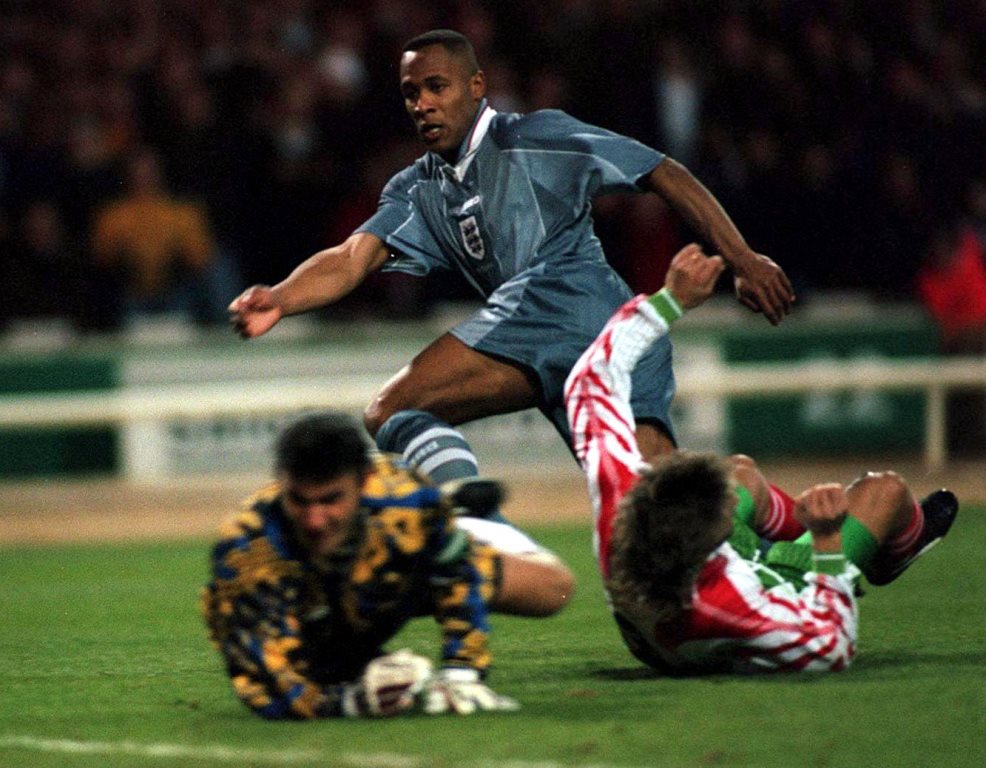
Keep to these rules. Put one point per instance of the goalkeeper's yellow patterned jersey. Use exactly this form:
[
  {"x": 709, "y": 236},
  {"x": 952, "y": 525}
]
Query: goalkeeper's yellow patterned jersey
[{"x": 291, "y": 632}]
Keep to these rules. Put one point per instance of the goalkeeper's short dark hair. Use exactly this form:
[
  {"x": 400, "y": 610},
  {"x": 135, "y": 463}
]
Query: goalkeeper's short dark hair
[
  {"x": 454, "y": 42},
  {"x": 322, "y": 446}
]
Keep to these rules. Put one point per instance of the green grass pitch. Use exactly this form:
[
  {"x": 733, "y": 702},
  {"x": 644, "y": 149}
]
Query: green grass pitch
[{"x": 104, "y": 662}]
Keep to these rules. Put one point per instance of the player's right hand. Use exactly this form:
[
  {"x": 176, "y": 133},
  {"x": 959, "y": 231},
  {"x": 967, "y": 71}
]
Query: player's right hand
[
  {"x": 761, "y": 285},
  {"x": 460, "y": 691},
  {"x": 255, "y": 311},
  {"x": 822, "y": 509}
]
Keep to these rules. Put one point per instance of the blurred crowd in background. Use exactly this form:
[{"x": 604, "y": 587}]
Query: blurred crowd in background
[{"x": 160, "y": 155}]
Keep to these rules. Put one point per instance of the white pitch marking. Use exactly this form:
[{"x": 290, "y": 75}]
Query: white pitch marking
[
  {"x": 219, "y": 753},
  {"x": 231, "y": 755}
]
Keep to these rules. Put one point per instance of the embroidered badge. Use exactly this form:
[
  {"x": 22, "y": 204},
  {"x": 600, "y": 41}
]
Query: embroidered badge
[{"x": 471, "y": 238}]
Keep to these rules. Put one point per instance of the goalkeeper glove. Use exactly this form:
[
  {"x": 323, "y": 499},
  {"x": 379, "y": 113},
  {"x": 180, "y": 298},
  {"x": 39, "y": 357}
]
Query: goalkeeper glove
[
  {"x": 460, "y": 691},
  {"x": 389, "y": 685}
]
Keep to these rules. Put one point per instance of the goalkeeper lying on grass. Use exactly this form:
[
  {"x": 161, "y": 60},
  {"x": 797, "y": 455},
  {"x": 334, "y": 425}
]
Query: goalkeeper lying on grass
[
  {"x": 682, "y": 545},
  {"x": 320, "y": 569}
]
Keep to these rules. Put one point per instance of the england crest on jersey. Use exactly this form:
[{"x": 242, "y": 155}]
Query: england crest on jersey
[{"x": 471, "y": 237}]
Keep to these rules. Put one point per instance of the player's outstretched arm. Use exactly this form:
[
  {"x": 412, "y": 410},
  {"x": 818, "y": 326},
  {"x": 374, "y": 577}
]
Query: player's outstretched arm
[
  {"x": 323, "y": 278},
  {"x": 598, "y": 390},
  {"x": 601, "y": 379},
  {"x": 760, "y": 283}
]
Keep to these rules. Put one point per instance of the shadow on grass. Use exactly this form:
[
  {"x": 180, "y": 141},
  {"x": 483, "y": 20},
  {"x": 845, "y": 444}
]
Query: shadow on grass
[
  {"x": 880, "y": 660},
  {"x": 866, "y": 668},
  {"x": 635, "y": 673}
]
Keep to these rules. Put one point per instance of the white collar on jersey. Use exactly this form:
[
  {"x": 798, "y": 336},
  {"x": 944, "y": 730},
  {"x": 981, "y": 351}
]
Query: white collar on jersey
[{"x": 479, "y": 128}]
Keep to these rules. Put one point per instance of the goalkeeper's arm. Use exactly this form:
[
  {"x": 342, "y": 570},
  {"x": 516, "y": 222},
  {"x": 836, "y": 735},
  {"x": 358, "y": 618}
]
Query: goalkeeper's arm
[{"x": 260, "y": 647}]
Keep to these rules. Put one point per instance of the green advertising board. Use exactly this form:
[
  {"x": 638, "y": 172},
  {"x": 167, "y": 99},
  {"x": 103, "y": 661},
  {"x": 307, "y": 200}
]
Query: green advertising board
[
  {"x": 43, "y": 452},
  {"x": 813, "y": 424},
  {"x": 828, "y": 423}
]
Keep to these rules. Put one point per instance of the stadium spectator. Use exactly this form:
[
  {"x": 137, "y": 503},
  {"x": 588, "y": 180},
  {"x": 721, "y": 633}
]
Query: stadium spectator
[
  {"x": 159, "y": 249},
  {"x": 504, "y": 200},
  {"x": 322, "y": 568},
  {"x": 952, "y": 285},
  {"x": 678, "y": 542},
  {"x": 903, "y": 236},
  {"x": 677, "y": 93},
  {"x": 43, "y": 269},
  {"x": 904, "y": 80}
]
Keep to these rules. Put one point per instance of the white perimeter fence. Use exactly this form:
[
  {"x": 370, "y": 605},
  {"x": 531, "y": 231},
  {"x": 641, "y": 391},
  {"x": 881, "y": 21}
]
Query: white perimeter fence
[{"x": 151, "y": 405}]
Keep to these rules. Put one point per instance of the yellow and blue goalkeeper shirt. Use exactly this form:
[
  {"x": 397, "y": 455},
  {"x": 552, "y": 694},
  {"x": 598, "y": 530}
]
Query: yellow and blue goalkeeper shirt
[{"x": 292, "y": 632}]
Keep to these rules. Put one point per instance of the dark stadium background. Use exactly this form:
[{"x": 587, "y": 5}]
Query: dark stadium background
[{"x": 844, "y": 137}]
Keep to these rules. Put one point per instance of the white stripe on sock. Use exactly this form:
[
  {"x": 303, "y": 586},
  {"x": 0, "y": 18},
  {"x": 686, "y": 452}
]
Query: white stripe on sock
[
  {"x": 430, "y": 434},
  {"x": 447, "y": 456}
]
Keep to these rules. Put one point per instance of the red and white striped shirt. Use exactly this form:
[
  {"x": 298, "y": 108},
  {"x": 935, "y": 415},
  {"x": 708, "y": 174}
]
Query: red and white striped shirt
[{"x": 735, "y": 622}]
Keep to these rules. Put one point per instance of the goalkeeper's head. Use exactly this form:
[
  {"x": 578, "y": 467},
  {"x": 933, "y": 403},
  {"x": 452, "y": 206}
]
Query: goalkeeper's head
[
  {"x": 321, "y": 446},
  {"x": 669, "y": 523},
  {"x": 321, "y": 462}
]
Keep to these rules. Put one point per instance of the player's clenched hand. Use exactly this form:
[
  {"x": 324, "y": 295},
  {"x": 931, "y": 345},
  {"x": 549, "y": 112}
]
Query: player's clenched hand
[
  {"x": 692, "y": 276},
  {"x": 255, "y": 311},
  {"x": 459, "y": 691},
  {"x": 390, "y": 684},
  {"x": 822, "y": 509},
  {"x": 762, "y": 286}
]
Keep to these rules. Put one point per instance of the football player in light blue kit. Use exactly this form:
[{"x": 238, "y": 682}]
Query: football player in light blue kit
[{"x": 505, "y": 199}]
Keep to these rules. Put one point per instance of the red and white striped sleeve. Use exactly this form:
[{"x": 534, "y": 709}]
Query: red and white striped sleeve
[{"x": 597, "y": 402}]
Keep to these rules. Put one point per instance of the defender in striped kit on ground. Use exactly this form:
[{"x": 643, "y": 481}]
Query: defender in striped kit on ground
[{"x": 681, "y": 544}]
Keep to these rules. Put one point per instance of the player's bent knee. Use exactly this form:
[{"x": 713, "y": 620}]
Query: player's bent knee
[
  {"x": 883, "y": 493},
  {"x": 382, "y": 411},
  {"x": 374, "y": 417},
  {"x": 894, "y": 486},
  {"x": 743, "y": 466},
  {"x": 742, "y": 460},
  {"x": 396, "y": 431},
  {"x": 886, "y": 482}
]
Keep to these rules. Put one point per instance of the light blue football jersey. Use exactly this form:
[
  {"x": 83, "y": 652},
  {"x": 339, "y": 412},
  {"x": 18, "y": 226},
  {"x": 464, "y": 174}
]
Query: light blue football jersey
[
  {"x": 513, "y": 215},
  {"x": 518, "y": 198}
]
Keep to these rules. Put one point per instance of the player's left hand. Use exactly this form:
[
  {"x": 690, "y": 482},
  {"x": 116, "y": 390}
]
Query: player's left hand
[
  {"x": 692, "y": 275},
  {"x": 762, "y": 286},
  {"x": 460, "y": 691},
  {"x": 391, "y": 683}
]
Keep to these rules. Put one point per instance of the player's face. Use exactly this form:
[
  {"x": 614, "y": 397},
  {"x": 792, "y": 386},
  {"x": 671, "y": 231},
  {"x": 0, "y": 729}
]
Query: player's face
[
  {"x": 323, "y": 511},
  {"x": 441, "y": 96}
]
